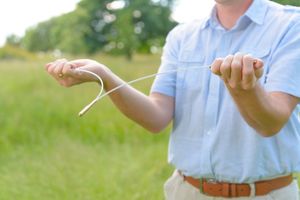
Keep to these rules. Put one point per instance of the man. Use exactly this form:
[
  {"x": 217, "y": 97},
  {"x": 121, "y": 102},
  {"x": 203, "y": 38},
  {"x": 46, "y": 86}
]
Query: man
[{"x": 236, "y": 131}]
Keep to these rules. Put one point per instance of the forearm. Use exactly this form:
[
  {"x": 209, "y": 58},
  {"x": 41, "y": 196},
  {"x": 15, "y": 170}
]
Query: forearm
[
  {"x": 153, "y": 112},
  {"x": 262, "y": 110},
  {"x": 148, "y": 111}
]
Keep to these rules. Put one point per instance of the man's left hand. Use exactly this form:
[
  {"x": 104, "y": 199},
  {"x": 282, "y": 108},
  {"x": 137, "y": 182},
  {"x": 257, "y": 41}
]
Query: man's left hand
[{"x": 239, "y": 71}]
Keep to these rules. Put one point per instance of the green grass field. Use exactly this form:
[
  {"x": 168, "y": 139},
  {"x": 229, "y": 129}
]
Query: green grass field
[{"x": 47, "y": 152}]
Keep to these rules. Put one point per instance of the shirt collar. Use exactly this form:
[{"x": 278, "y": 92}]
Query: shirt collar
[
  {"x": 256, "y": 13},
  {"x": 209, "y": 20}
]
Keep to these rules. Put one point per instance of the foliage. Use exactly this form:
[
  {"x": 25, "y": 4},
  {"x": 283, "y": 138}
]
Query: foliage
[
  {"x": 10, "y": 52},
  {"x": 66, "y": 33},
  {"x": 13, "y": 40},
  {"x": 288, "y": 2},
  {"x": 38, "y": 38},
  {"x": 100, "y": 25}
]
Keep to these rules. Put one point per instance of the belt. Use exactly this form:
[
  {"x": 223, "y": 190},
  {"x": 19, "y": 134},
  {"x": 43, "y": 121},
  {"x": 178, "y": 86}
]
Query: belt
[{"x": 222, "y": 189}]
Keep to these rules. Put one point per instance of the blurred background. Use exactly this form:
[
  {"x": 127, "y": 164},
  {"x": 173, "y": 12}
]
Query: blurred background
[{"x": 46, "y": 151}]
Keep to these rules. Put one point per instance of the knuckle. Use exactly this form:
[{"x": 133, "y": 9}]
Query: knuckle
[
  {"x": 70, "y": 65},
  {"x": 248, "y": 57},
  {"x": 247, "y": 86},
  {"x": 218, "y": 60},
  {"x": 236, "y": 64},
  {"x": 230, "y": 56},
  {"x": 238, "y": 54}
]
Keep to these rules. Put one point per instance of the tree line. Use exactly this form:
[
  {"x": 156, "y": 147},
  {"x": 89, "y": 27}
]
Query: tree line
[{"x": 118, "y": 27}]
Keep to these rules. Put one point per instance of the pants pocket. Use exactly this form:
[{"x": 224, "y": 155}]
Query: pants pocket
[{"x": 170, "y": 184}]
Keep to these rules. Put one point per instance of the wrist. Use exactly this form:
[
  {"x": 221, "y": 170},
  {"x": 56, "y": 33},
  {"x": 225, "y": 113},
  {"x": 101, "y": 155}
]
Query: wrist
[{"x": 104, "y": 73}]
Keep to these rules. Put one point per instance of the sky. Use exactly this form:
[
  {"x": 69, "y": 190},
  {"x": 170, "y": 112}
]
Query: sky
[{"x": 17, "y": 15}]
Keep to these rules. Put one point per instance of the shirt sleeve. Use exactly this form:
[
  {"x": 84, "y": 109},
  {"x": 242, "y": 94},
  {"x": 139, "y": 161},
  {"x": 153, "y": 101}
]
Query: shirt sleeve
[
  {"x": 165, "y": 81},
  {"x": 284, "y": 71}
]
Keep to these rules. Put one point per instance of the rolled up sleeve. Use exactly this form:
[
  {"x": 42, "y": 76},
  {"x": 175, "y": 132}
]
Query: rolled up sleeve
[
  {"x": 165, "y": 81},
  {"x": 284, "y": 71}
]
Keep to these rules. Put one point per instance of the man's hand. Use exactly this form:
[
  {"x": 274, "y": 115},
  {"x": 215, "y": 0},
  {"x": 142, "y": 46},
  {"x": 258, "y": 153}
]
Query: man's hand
[
  {"x": 239, "y": 71},
  {"x": 65, "y": 73}
]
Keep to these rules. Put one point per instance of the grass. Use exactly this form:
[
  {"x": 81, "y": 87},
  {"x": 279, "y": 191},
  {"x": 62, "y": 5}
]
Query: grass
[{"x": 47, "y": 152}]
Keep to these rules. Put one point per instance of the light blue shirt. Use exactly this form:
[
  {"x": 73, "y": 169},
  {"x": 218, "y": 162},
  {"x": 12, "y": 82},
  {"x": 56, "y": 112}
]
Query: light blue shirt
[{"x": 210, "y": 138}]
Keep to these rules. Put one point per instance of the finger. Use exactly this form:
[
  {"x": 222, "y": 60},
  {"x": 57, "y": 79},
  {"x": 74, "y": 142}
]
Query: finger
[
  {"x": 51, "y": 66},
  {"x": 236, "y": 70},
  {"x": 67, "y": 68},
  {"x": 59, "y": 67},
  {"x": 258, "y": 63},
  {"x": 215, "y": 67},
  {"x": 259, "y": 72},
  {"x": 50, "y": 70},
  {"x": 258, "y": 68},
  {"x": 225, "y": 68},
  {"x": 48, "y": 65},
  {"x": 248, "y": 76}
]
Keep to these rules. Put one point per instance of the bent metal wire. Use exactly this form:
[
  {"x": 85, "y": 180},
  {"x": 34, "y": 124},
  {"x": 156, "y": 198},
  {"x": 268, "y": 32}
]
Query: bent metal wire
[{"x": 100, "y": 95}]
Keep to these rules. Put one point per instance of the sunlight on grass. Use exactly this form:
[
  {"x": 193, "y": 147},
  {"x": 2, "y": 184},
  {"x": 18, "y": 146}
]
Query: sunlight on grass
[{"x": 68, "y": 169}]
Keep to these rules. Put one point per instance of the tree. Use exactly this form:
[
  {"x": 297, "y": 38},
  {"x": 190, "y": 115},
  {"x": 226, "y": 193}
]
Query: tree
[
  {"x": 288, "y": 2},
  {"x": 122, "y": 26},
  {"x": 38, "y": 38},
  {"x": 13, "y": 40}
]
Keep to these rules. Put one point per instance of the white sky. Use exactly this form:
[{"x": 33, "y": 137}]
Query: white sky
[{"x": 17, "y": 15}]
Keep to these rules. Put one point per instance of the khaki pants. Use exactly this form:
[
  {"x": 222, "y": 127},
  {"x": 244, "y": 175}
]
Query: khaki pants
[{"x": 176, "y": 188}]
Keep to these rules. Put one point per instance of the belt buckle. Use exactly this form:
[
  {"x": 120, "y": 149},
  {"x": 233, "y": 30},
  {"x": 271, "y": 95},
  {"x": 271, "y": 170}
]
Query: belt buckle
[{"x": 211, "y": 180}]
